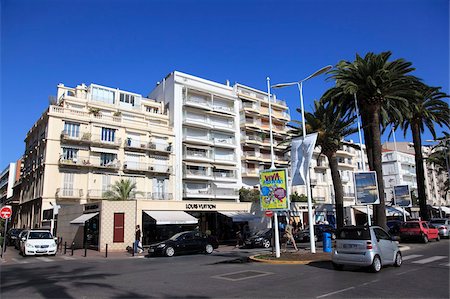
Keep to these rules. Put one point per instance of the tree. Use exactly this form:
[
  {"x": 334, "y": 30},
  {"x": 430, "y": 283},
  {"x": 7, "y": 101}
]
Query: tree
[
  {"x": 295, "y": 197},
  {"x": 382, "y": 89},
  {"x": 426, "y": 109},
  {"x": 332, "y": 128},
  {"x": 122, "y": 190},
  {"x": 248, "y": 195}
]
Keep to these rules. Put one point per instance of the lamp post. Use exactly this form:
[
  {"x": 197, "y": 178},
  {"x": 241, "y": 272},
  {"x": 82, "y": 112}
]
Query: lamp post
[{"x": 308, "y": 190}]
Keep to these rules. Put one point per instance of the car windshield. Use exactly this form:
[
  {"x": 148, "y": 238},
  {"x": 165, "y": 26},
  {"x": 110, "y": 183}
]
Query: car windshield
[
  {"x": 410, "y": 225},
  {"x": 438, "y": 221},
  {"x": 262, "y": 232},
  {"x": 40, "y": 235},
  {"x": 177, "y": 236},
  {"x": 14, "y": 231},
  {"x": 353, "y": 234}
]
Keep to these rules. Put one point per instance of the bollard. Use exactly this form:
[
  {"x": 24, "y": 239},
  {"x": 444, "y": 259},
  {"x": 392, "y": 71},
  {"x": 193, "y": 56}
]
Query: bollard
[
  {"x": 60, "y": 244},
  {"x": 85, "y": 249},
  {"x": 73, "y": 245},
  {"x": 132, "y": 250},
  {"x": 106, "y": 251},
  {"x": 65, "y": 247}
]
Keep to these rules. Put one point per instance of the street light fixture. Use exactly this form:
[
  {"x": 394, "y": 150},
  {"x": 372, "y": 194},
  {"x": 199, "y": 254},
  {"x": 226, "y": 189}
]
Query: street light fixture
[{"x": 308, "y": 190}]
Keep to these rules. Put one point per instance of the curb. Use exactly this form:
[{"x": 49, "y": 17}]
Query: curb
[{"x": 306, "y": 262}]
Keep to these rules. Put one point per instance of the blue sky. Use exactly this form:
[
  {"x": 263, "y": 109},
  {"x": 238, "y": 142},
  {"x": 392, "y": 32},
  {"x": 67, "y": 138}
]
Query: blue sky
[{"x": 130, "y": 44}]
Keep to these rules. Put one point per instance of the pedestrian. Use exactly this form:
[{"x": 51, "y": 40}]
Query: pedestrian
[
  {"x": 289, "y": 235},
  {"x": 137, "y": 241}
]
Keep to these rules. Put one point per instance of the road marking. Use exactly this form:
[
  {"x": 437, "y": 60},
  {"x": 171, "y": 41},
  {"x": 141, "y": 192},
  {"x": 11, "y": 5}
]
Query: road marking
[
  {"x": 446, "y": 265},
  {"x": 44, "y": 259},
  {"x": 430, "y": 259},
  {"x": 68, "y": 258},
  {"x": 335, "y": 292},
  {"x": 241, "y": 275},
  {"x": 19, "y": 261},
  {"x": 412, "y": 256},
  {"x": 407, "y": 271}
]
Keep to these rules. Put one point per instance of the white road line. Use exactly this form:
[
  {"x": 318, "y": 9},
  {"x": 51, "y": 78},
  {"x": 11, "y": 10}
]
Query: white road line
[
  {"x": 407, "y": 271},
  {"x": 336, "y": 292},
  {"x": 19, "y": 261},
  {"x": 412, "y": 256},
  {"x": 44, "y": 259},
  {"x": 68, "y": 258},
  {"x": 430, "y": 259}
]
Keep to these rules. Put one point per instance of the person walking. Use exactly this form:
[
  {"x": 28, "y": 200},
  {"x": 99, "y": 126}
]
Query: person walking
[
  {"x": 137, "y": 241},
  {"x": 289, "y": 235}
]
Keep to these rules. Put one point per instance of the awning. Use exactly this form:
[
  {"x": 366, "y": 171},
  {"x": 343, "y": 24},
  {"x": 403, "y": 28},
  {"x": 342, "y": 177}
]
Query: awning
[
  {"x": 239, "y": 216},
  {"x": 83, "y": 218},
  {"x": 226, "y": 186},
  {"x": 390, "y": 211},
  {"x": 225, "y": 167},
  {"x": 196, "y": 164},
  {"x": 103, "y": 150},
  {"x": 172, "y": 217}
]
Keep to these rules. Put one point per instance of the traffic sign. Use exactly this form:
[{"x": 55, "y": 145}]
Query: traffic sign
[
  {"x": 268, "y": 213},
  {"x": 6, "y": 212}
]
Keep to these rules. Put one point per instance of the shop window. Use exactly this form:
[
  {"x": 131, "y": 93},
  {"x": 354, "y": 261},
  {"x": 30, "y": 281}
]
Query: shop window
[{"x": 119, "y": 227}]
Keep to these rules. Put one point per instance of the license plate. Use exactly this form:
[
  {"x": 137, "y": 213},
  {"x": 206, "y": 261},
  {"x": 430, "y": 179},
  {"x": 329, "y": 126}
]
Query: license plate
[
  {"x": 350, "y": 245},
  {"x": 151, "y": 250},
  {"x": 40, "y": 251}
]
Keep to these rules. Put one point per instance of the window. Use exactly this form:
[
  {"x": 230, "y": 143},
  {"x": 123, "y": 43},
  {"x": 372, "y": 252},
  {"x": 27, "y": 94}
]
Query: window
[
  {"x": 72, "y": 129},
  {"x": 108, "y": 134},
  {"x": 151, "y": 109},
  {"x": 107, "y": 159},
  {"x": 69, "y": 154},
  {"x": 103, "y": 95},
  {"x": 106, "y": 182},
  {"x": 127, "y": 98},
  {"x": 119, "y": 227},
  {"x": 68, "y": 184},
  {"x": 381, "y": 234}
]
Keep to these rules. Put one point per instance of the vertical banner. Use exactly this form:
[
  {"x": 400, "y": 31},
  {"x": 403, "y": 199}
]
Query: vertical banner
[
  {"x": 402, "y": 196},
  {"x": 301, "y": 154},
  {"x": 274, "y": 189},
  {"x": 366, "y": 188}
]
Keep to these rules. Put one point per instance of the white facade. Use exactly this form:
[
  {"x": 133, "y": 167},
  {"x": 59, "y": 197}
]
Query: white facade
[{"x": 7, "y": 180}]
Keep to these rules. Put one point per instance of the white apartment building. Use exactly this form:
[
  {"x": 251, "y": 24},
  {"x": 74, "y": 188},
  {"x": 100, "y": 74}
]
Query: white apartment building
[
  {"x": 7, "y": 180},
  {"x": 255, "y": 133}
]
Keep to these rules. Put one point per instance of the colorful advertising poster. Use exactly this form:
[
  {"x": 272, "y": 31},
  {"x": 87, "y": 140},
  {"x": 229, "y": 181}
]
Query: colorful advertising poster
[
  {"x": 366, "y": 188},
  {"x": 402, "y": 196},
  {"x": 274, "y": 189}
]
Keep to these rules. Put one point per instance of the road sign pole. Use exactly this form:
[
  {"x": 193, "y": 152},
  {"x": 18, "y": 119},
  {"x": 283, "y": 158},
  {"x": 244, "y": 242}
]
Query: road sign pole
[
  {"x": 277, "y": 235},
  {"x": 4, "y": 238}
]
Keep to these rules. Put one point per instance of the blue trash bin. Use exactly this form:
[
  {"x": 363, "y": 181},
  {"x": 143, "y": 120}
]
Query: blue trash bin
[{"x": 326, "y": 242}]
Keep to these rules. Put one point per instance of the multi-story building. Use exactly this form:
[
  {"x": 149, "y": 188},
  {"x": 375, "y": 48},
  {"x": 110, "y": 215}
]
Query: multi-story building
[
  {"x": 435, "y": 180},
  {"x": 88, "y": 139},
  {"x": 7, "y": 180},
  {"x": 255, "y": 132}
]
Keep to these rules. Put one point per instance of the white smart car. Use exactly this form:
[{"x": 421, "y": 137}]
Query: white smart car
[{"x": 37, "y": 242}]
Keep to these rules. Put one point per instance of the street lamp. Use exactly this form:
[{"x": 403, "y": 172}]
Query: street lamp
[{"x": 308, "y": 191}]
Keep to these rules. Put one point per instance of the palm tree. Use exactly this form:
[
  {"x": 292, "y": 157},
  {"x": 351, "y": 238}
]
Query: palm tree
[
  {"x": 425, "y": 110},
  {"x": 122, "y": 190},
  {"x": 327, "y": 121},
  {"x": 382, "y": 88}
]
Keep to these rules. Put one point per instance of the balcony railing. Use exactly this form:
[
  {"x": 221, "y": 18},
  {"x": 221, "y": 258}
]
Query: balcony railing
[
  {"x": 225, "y": 192},
  {"x": 226, "y": 109},
  {"x": 252, "y": 138},
  {"x": 196, "y": 192},
  {"x": 159, "y": 196},
  {"x": 69, "y": 193},
  {"x": 198, "y": 100},
  {"x": 75, "y": 161},
  {"x": 197, "y": 154},
  {"x": 146, "y": 167},
  {"x": 97, "y": 139},
  {"x": 80, "y": 137},
  {"x": 197, "y": 172},
  {"x": 223, "y": 141},
  {"x": 224, "y": 175},
  {"x": 349, "y": 194}
]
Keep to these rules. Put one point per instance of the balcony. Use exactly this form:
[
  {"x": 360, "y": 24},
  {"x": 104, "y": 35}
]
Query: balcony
[
  {"x": 224, "y": 175},
  {"x": 205, "y": 139},
  {"x": 194, "y": 173},
  {"x": 251, "y": 107},
  {"x": 198, "y": 101},
  {"x": 223, "y": 109},
  {"x": 197, "y": 122},
  {"x": 229, "y": 142},
  {"x": 250, "y": 172},
  {"x": 160, "y": 147},
  {"x": 159, "y": 196},
  {"x": 349, "y": 194},
  {"x": 197, "y": 155},
  {"x": 69, "y": 193},
  {"x": 95, "y": 194},
  {"x": 96, "y": 162},
  {"x": 253, "y": 139},
  {"x": 99, "y": 141},
  {"x": 81, "y": 138},
  {"x": 197, "y": 191},
  {"x": 75, "y": 162}
]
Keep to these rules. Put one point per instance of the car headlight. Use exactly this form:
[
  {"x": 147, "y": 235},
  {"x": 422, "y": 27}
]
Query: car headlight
[
  {"x": 29, "y": 245},
  {"x": 258, "y": 239},
  {"x": 53, "y": 245},
  {"x": 161, "y": 245}
]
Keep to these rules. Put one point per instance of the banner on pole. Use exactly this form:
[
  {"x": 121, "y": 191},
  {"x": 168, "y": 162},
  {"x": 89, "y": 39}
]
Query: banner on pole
[
  {"x": 274, "y": 189},
  {"x": 402, "y": 196},
  {"x": 301, "y": 154},
  {"x": 366, "y": 188}
]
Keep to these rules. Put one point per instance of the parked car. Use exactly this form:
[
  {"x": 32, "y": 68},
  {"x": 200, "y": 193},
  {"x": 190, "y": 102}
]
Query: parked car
[
  {"x": 18, "y": 240},
  {"x": 319, "y": 229},
  {"x": 262, "y": 238},
  {"x": 442, "y": 225},
  {"x": 366, "y": 247},
  {"x": 418, "y": 230},
  {"x": 12, "y": 235},
  {"x": 184, "y": 242},
  {"x": 37, "y": 242},
  {"x": 394, "y": 226}
]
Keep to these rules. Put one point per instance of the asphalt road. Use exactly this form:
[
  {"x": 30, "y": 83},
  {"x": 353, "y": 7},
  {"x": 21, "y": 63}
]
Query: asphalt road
[{"x": 424, "y": 274}]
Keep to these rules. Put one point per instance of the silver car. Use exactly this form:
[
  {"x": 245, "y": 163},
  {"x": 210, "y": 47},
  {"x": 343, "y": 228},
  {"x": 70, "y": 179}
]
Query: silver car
[
  {"x": 365, "y": 246},
  {"x": 442, "y": 224}
]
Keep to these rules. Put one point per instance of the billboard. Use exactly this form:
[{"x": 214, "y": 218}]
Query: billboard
[
  {"x": 274, "y": 189},
  {"x": 366, "y": 188},
  {"x": 402, "y": 196},
  {"x": 301, "y": 153}
]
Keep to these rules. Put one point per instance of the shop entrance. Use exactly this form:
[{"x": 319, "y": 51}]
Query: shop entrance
[
  {"x": 153, "y": 232},
  {"x": 91, "y": 233}
]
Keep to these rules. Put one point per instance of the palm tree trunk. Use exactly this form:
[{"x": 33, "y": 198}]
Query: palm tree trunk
[
  {"x": 338, "y": 189},
  {"x": 367, "y": 139},
  {"x": 374, "y": 126},
  {"x": 420, "y": 171}
]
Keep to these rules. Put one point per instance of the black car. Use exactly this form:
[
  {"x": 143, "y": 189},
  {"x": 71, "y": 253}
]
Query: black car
[
  {"x": 12, "y": 235},
  {"x": 319, "y": 229},
  {"x": 184, "y": 242},
  {"x": 19, "y": 237},
  {"x": 262, "y": 238},
  {"x": 394, "y": 227}
]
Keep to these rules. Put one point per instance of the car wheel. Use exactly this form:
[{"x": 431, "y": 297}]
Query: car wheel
[
  {"x": 209, "y": 249},
  {"x": 398, "y": 260},
  {"x": 337, "y": 266},
  {"x": 266, "y": 243},
  {"x": 438, "y": 238},
  {"x": 425, "y": 239},
  {"x": 376, "y": 264},
  {"x": 170, "y": 251}
]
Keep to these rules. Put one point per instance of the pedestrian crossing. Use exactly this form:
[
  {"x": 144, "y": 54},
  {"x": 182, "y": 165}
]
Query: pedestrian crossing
[{"x": 420, "y": 259}]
